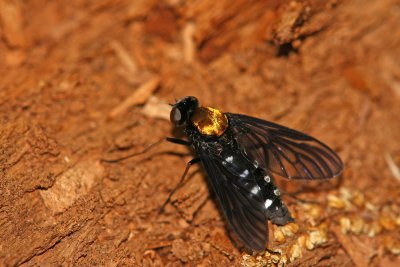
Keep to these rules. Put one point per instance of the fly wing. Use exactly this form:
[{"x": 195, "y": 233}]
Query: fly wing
[
  {"x": 240, "y": 198},
  {"x": 283, "y": 151}
]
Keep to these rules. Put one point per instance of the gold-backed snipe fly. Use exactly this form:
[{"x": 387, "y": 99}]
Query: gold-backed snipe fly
[{"x": 240, "y": 154}]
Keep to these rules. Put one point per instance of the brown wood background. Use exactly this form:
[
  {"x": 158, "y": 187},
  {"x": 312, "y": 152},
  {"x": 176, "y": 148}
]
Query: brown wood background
[{"x": 85, "y": 80}]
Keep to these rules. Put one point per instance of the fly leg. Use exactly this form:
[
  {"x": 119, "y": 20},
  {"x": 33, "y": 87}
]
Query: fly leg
[
  {"x": 188, "y": 165},
  {"x": 168, "y": 139}
]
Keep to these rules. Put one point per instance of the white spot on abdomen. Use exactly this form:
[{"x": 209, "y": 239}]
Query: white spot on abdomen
[
  {"x": 229, "y": 159},
  {"x": 245, "y": 173},
  {"x": 267, "y": 178},
  {"x": 255, "y": 190},
  {"x": 267, "y": 203}
]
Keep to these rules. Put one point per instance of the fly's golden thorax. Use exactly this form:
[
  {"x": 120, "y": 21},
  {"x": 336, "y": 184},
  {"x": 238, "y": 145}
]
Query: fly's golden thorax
[{"x": 210, "y": 121}]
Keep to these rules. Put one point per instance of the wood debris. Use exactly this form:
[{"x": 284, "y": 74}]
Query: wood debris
[{"x": 139, "y": 97}]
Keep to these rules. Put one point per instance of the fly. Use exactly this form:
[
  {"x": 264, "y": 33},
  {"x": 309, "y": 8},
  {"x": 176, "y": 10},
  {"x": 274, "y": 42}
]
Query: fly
[{"x": 240, "y": 154}]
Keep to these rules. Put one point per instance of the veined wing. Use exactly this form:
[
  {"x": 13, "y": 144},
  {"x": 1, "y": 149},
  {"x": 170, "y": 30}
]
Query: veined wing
[
  {"x": 240, "y": 197},
  {"x": 283, "y": 151}
]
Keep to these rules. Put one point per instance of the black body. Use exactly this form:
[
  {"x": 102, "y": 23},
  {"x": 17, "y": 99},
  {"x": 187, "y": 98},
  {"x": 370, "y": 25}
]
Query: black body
[{"x": 241, "y": 162}]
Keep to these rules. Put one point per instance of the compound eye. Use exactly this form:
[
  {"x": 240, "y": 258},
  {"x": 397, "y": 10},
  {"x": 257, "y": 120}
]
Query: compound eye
[{"x": 176, "y": 116}]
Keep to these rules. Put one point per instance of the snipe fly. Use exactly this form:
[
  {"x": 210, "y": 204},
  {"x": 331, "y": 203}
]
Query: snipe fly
[{"x": 240, "y": 154}]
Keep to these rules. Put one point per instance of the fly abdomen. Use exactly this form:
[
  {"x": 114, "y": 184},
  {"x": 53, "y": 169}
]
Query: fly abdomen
[
  {"x": 278, "y": 213},
  {"x": 275, "y": 209}
]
